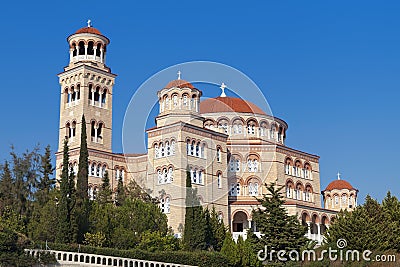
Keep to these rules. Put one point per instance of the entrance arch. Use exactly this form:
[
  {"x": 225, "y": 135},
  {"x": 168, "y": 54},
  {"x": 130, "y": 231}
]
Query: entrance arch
[{"x": 240, "y": 222}]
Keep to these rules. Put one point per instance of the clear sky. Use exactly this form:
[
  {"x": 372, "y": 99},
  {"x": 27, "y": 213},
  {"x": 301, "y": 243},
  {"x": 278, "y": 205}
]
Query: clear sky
[{"x": 328, "y": 68}]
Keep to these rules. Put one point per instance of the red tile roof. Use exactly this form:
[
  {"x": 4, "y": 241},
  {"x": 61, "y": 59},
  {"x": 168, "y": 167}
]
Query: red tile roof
[
  {"x": 339, "y": 184},
  {"x": 89, "y": 30},
  {"x": 179, "y": 84},
  {"x": 229, "y": 104}
]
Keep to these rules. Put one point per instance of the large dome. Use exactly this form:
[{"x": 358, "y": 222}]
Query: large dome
[
  {"x": 229, "y": 104},
  {"x": 339, "y": 184}
]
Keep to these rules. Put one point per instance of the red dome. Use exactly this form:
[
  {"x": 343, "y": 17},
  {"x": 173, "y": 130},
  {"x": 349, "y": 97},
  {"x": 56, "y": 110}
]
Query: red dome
[
  {"x": 88, "y": 30},
  {"x": 339, "y": 184},
  {"x": 179, "y": 84},
  {"x": 229, "y": 104}
]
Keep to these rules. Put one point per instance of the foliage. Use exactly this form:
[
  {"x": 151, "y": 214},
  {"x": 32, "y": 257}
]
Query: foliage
[
  {"x": 230, "y": 250},
  {"x": 372, "y": 226},
  {"x": 82, "y": 199},
  {"x": 197, "y": 258},
  {"x": 66, "y": 221},
  {"x": 279, "y": 230},
  {"x": 156, "y": 241},
  {"x": 97, "y": 239},
  {"x": 46, "y": 182}
]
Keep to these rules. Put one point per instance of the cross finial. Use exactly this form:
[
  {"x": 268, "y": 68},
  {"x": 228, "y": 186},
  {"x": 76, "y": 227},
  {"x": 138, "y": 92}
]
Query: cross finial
[
  {"x": 179, "y": 74},
  {"x": 338, "y": 175},
  {"x": 89, "y": 23},
  {"x": 223, "y": 86}
]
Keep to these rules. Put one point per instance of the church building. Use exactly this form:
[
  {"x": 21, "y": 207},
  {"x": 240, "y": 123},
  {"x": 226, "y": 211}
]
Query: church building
[{"x": 229, "y": 146}]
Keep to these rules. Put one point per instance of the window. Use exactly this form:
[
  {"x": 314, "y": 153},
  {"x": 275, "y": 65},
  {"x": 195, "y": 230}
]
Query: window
[
  {"x": 175, "y": 100},
  {"x": 160, "y": 177},
  {"x": 251, "y": 128},
  {"x": 235, "y": 189},
  {"x": 156, "y": 151},
  {"x": 197, "y": 176},
  {"x": 168, "y": 148},
  {"x": 344, "y": 200},
  {"x": 252, "y": 165},
  {"x": 162, "y": 151},
  {"x": 185, "y": 100},
  {"x": 170, "y": 175},
  {"x": 253, "y": 189},
  {"x": 298, "y": 192},
  {"x": 173, "y": 147},
  {"x": 219, "y": 154},
  {"x": 165, "y": 205},
  {"x": 288, "y": 191},
  {"x": 219, "y": 180},
  {"x": 234, "y": 164},
  {"x": 287, "y": 169},
  {"x": 224, "y": 126},
  {"x": 336, "y": 200}
]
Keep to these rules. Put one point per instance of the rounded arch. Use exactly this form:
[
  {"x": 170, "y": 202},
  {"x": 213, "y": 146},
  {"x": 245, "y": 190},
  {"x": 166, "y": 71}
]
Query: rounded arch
[
  {"x": 237, "y": 119},
  {"x": 253, "y": 178},
  {"x": 252, "y": 120},
  {"x": 305, "y": 217},
  {"x": 298, "y": 163},
  {"x": 241, "y": 210},
  {"x": 289, "y": 161}
]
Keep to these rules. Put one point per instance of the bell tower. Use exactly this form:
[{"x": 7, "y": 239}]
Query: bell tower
[{"x": 86, "y": 89}]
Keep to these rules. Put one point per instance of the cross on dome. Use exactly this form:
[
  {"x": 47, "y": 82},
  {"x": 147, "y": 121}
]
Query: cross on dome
[
  {"x": 223, "y": 86},
  {"x": 89, "y": 23},
  {"x": 179, "y": 74},
  {"x": 338, "y": 175}
]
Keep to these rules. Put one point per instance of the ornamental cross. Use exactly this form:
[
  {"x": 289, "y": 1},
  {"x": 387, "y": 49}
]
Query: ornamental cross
[
  {"x": 89, "y": 23},
  {"x": 179, "y": 74},
  {"x": 338, "y": 175},
  {"x": 223, "y": 86}
]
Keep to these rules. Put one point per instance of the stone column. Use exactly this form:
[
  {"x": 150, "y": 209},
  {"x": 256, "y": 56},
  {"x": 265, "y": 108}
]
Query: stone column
[
  {"x": 308, "y": 230},
  {"x": 319, "y": 233},
  {"x": 101, "y": 55},
  {"x": 86, "y": 51},
  {"x": 93, "y": 90}
]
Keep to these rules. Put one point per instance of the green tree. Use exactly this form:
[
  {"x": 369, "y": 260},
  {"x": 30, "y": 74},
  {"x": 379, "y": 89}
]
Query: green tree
[
  {"x": 6, "y": 188},
  {"x": 156, "y": 241},
  {"x": 230, "y": 250},
  {"x": 120, "y": 195},
  {"x": 46, "y": 183},
  {"x": 195, "y": 231},
  {"x": 218, "y": 230},
  {"x": 280, "y": 231},
  {"x": 66, "y": 220},
  {"x": 105, "y": 194},
  {"x": 371, "y": 226},
  {"x": 82, "y": 197}
]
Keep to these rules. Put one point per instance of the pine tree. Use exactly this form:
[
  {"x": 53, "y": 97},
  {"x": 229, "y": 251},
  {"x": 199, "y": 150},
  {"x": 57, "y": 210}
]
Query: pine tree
[
  {"x": 66, "y": 221},
  {"x": 280, "y": 231},
  {"x": 6, "y": 188},
  {"x": 82, "y": 197},
  {"x": 46, "y": 183},
  {"x": 218, "y": 231},
  {"x": 195, "y": 231}
]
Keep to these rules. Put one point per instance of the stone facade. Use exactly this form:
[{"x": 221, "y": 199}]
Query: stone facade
[{"x": 229, "y": 147}]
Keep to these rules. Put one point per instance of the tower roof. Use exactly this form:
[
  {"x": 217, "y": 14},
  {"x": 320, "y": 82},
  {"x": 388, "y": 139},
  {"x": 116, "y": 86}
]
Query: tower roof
[
  {"x": 339, "y": 184},
  {"x": 229, "y": 104},
  {"x": 88, "y": 30},
  {"x": 179, "y": 84}
]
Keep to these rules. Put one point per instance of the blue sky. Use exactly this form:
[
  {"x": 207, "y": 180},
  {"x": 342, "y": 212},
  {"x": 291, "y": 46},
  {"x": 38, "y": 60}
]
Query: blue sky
[{"x": 330, "y": 69}]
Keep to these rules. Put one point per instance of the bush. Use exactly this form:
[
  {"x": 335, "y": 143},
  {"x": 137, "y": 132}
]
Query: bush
[{"x": 199, "y": 258}]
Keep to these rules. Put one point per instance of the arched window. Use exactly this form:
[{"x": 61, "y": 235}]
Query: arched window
[
  {"x": 175, "y": 100},
  {"x": 202, "y": 151},
  {"x": 251, "y": 128},
  {"x": 68, "y": 130},
  {"x": 336, "y": 200},
  {"x": 81, "y": 48},
  {"x": 272, "y": 132},
  {"x": 185, "y": 100},
  {"x": 103, "y": 98},
  {"x": 237, "y": 127},
  {"x": 219, "y": 180},
  {"x": 188, "y": 147},
  {"x": 219, "y": 156},
  {"x": 167, "y": 105},
  {"x": 173, "y": 147},
  {"x": 298, "y": 191},
  {"x": 170, "y": 175},
  {"x": 263, "y": 129},
  {"x": 192, "y": 148},
  {"x": 103, "y": 171},
  {"x": 74, "y": 51},
  {"x": 252, "y": 163},
  {"x": 90, "y": 50},
  {"x": 289, "y": 189},
  {"x": 164, "y": 174},
  {"x": 100, "y": 133},
  {"x": 344, "y": 200},
  {"x": 253, "y": 189},
  {"x": 160, "y": 177},
  {"x": 75, "y": 168},
  {"x": 156, "y": 151},
  {"x": 98, "y": 169},
  {"x": 235, "y": 189},
  {"x": 162, "y": 150},
  {"x": 165, "y": 205},
  {"x": 308, "y": 193},
  {"x": 223, "y": 124},
  {"x": 198, "y": 149},
  {"x": 92, "y": 169},
  {"x": 168, "y": 148}
]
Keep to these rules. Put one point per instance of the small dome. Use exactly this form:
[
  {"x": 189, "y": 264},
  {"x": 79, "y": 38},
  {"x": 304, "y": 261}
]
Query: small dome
[
  {"x": 179, "y": 84},
  {"x": 229, "y": 104},
  {"x": 88, "y": 30},
  {"x": 339, "y": 184}
]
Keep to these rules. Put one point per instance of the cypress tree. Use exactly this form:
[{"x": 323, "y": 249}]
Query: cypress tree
[
  {"x": 105, "y": 191},
  {"x": 195, "y": 231},
  {"x": 230, "y": 250},
  {"x": 66, "y": 233},
  {"x": 82, "y": 197}
]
